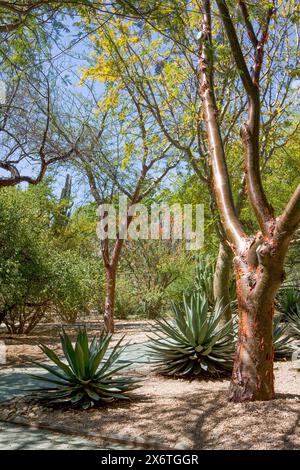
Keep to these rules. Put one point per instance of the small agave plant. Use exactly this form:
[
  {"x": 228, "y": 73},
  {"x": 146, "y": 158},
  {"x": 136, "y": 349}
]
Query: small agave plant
[
  {"x": 281, "y": 339},
  {"x": 294, "y": 322},
  {"x": 288, "y": 302},
  {"x": 195, "y": 342},
  {"x": 85, "y": 378}
]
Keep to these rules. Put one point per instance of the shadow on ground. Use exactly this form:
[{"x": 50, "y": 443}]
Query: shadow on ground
[
  {"x": 13, "y": 437},
  {"x": 192, "y": 415}
]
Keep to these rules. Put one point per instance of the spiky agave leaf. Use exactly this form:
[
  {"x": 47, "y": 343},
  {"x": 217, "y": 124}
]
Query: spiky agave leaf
[
  {"x": 288, "y": 301},
  {"x": 194, "y": 342},
  {"x": 294, "y": 322},
  {"x": 86, "y": 377},
  {"x": 281, "y": 339}
]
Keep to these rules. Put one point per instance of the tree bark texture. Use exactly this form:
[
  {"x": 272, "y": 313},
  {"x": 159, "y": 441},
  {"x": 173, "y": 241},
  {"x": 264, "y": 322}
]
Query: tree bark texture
[{"x": 222, "y": 278}]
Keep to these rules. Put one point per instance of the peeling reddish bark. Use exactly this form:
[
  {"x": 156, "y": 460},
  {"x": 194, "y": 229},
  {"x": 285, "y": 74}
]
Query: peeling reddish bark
[
  {"x": 253, "y": 377},
  {"x": 259, "y": 275},
  {"x": 259, "y": 272}
]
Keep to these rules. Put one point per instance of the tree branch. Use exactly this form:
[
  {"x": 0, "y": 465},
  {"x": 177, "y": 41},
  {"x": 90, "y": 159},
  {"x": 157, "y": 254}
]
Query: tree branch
[
  {"x": 250, "y": 131},
  {"x": 290, "y": 218},
  {"x": 249, "y": 26},
  {"x": 222, "y": 187},
  {"x": 236, "y": 49}
]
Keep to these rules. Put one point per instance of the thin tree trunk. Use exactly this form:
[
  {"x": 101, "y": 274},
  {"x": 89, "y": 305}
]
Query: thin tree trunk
[
  {"x": 2, "y": 315},
  {"x": 221, "y": 279},
  {"x": 109, "y": 305},
  {"x": 4, "y": 312}
]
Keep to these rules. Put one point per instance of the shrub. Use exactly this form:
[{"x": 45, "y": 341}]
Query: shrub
[
  {"x": 22, "y": 318},
  {"x": 86, "y": 377},
  {"x": 151, "y": 273},
  {"x": 24, "y": 258},
  {"x": 42, "y": 273},
  {"x": 75, "y": 286}
]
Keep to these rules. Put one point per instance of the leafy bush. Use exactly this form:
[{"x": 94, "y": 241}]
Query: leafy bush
[
  {"x": 144, "y": 304},
  {"x": 194, "y": 343},
  {"x": 126, "y": 299},
  {"x": 22, "y": 318},
  {"x": 87, "y": 378},
  {"x": 41, "y": 273},
  {"x": 151, "y": 273},
  {"x": 24, "y": 257},
  {"x": 75, "y": 285}
]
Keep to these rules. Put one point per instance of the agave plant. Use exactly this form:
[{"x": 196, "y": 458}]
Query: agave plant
[
  {"x": 194, "y": 342},
  {"x": 281, "y": 339},
  {"x": 294, "y": 322},
  {"x": 288, "y": 301},
  {"x": 85, "y": 378},
  {"x": 204, "y": 279}
]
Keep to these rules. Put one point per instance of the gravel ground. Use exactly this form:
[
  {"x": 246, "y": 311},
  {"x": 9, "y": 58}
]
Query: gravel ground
[{"x": 193, "y": 413}]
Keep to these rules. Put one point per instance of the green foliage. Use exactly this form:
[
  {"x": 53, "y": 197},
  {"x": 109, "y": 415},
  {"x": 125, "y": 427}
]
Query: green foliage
[
  {"x": 62, "y": 215},
  {"x": 194, "y": 343},
  {"x": 24, "y": 253},
  {"x": 204, "y": 278},
  {"x": 88, "y": 378},
  {"x": 151, "y": 274},
  {"x": 40, "y": 272},
  {"x": 74, "y": 282}
]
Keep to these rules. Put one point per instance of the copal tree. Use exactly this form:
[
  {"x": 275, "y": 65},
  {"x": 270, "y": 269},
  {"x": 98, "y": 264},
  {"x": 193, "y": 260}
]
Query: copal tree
[
  {"x": 156, "y": 61},
  {"x": 258, "y": 258}
]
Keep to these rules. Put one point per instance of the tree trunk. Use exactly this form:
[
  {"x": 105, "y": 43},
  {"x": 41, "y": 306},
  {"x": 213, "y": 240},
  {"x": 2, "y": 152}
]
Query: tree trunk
[
  {"x": 109, "y": 305},
  {"x": 5, "y": 311},
  {"x": 2, "y": 315},
  {"x": 253, "y": 377},
  {"x": 221, "y": 279}
]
